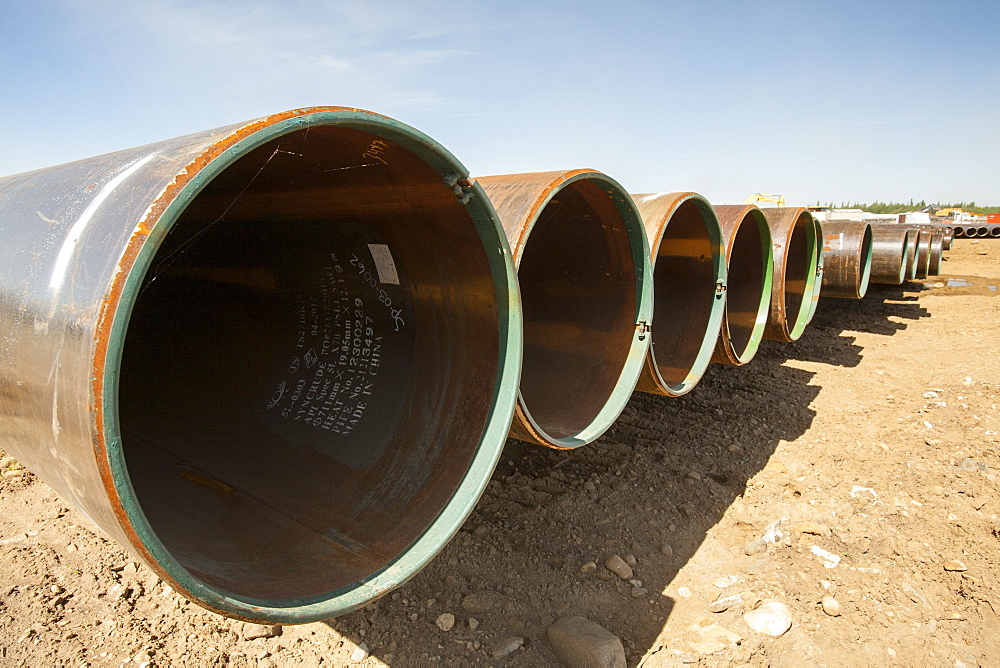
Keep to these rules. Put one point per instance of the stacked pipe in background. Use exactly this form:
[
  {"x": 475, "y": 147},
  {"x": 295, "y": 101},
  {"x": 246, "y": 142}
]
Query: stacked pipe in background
[{"x": 979, "y": 230}]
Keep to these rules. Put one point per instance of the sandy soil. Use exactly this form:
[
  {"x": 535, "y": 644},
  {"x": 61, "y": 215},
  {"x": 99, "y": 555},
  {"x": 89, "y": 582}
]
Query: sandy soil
[{"x": 867, "y": 452}]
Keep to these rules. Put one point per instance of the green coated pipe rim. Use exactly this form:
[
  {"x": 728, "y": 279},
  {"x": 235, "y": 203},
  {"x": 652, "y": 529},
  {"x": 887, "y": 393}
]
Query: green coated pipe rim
[
  {"x": 764, "y": 308},
  {"x": 644, "y": 313},
  {"x": 715, "y": 319},
  {"x": 453, "y": 515},
  {"x": 866, "y": 262},
  {"x": 818, "y": 279},
  {"x": 813, "y": 280}
]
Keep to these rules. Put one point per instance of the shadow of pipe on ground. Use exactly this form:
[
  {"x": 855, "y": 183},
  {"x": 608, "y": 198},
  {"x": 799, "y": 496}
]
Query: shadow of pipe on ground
[{"x": 651, "y": 487}]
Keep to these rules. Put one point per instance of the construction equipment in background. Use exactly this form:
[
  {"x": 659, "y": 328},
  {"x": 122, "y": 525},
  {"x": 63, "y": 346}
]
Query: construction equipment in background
[
  {"x": 778, "y": 200},
  {"x": 949, "y": 212}
]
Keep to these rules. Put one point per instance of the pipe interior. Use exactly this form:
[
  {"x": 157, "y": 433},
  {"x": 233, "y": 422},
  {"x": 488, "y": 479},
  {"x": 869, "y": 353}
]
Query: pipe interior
[
  {"x": 747, "y": 260},
  {"x": 310, "y": 365},
  {"x": 798, "y": 266},
  {"x": 579, "y": 297},
  {"x": 683, "y": 291}
]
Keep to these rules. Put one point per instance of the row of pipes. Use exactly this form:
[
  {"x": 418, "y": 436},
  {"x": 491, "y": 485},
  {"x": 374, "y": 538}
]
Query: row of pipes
[
  {"x": 987, "y": 231},
  {"x": 278, "y": 361}
]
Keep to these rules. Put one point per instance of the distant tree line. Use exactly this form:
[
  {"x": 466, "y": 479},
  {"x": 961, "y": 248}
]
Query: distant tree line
[{"x": 903, "y": 207}]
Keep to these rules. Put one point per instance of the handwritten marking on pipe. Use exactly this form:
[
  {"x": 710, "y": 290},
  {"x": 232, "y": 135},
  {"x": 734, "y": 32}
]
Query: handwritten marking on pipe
[
  {"x": 650, "y": 198},
  {"x": 375, "y": 150},
  {"x": 76, "y": 231}
]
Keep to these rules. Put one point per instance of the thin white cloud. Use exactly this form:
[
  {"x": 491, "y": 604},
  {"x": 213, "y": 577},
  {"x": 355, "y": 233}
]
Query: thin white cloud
[{"x": 378, "y": 53}]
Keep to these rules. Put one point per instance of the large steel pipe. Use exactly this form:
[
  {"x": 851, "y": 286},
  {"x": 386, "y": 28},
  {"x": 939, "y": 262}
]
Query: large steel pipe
[
  {"x": 889, "y": 246},
  {"x": 911, "y": 253},
  {"x": 935, "y": 254},
  {"x": 276, "y": 360},
  {"x": 796, "y": 260},
  {"x": 689, "y": 279},
  {"x": 750, "y": 274},
  {"x": 994, "y": 232},
  {"x": 922, "y": 259},
  {"x": 582, "y": 262},
  {"x": 847, "y": 257}
]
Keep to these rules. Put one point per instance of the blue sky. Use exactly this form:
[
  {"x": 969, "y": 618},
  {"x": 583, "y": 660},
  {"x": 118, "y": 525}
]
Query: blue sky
[{"x": 813, "y": 100}]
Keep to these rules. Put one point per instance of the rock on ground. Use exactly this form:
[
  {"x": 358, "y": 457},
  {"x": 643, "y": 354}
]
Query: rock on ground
[{"x": 581, "y": 643}]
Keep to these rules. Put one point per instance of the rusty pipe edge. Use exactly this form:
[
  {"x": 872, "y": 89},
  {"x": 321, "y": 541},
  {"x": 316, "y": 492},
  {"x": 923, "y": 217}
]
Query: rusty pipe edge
[
  {"x": 949, "y": 238},
  {"x": 935, "y": 254},
  {"x": 847, "y": 255},
  {"x": 750, "y": 276},
  {"x": 796, "y": 279},
  {"x": 214, "y": 344},
  {"x": 689, "y": 280},
  {"x": 889, "y": 262},
  {"x": 582, "y": 262},
  {"x": 922, "y": 260}
]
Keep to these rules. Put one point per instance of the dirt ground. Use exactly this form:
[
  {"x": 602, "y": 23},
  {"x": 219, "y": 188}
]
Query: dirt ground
[{"x": 866, "y": 453}]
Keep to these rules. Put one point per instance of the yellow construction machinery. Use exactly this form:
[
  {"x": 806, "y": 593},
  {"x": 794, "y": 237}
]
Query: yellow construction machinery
[{"x": 779, "y": 200}]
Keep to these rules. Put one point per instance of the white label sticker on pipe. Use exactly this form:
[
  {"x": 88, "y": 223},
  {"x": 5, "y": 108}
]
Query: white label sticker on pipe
[{"x": 383, "y": 264}]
